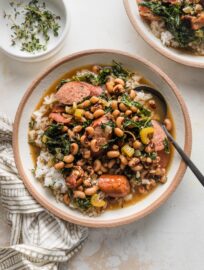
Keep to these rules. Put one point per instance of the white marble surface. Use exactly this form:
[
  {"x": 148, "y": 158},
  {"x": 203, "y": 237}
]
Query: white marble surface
[{"x": 173, "y": 236}]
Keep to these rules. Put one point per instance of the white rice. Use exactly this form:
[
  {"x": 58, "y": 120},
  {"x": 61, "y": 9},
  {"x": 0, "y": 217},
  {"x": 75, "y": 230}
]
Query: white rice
[
  {"x": 50, "y": 176},
  {"x": 167, "y": 39}
]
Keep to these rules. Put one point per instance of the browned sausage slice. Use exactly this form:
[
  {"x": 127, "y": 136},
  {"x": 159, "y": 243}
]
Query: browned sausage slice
[
  {"x": 164, "y": 158},
  {"x": 114, "y": 185},
  {"x": 72, "y": 92},
  {"x": 159, "y": 136},
  {"x": 99, "y": 133},
  {"x": 57, "y": 117},
  {"x": 76, "y": 91}
]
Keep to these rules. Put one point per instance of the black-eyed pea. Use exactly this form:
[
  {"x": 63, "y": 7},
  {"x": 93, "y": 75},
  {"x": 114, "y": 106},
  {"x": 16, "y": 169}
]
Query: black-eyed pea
[
  {"x": 87, "y": 183},
  {"x": 137, "y": 168},
  {"x": 114, "y": 105},
  {"x": 109, "y": 86},
  {"x": 97, "y": 165},
  {"x": 111, "y": 163},
  {"x": 59, "y": 165},
  {"x": 77, "y": 129},
  {"x": 142, "y": 190},
  {"x": 119, "y": 121},
  {"x": 123, "y": 160},
  {"x": 123, "y": 107},
  {"x": 90, "y": 131},
  {"x": 79, "y": 194},
  {"x": 115, "y": 147},
  {"x": 152, "y": 104},
  {"x": 116, "y": 113},
  {"x": 132, "y": 94},
  {"x": 65, "y": 129},
  {"x": 69, "y": 165},
  {"x": 137, "y": 144},
  {"x": 103, "y": 169},
  {"x": 149, "y": 160},
  {"x": 168, "y": 124},
  {"x": 87, "y": 154},
  {"x": 91, "y": 191},
  {"x": 66, "y": 199},
  {"x": 94, "y": 99},
  {"x": 133, "y": 162},
  {"x": 68, "y": 158},
  {"x": 118, "y": 132},
  {"x": 96, "y": 68},
  {"x": 94, "y": 146},
  {"x": 74, "y": 148},
  {"x": 133, "y": 109},
  {"x": 98, "y": 113},
  {"x": 88, "y": 115},
  {"x": 113, "y": 154},
  {"x": 86, "y": 103},
  {"x": 119, "y": 81},
  {"x": 128, "y": 112},
  {"x": 163, "y": 179},
  {"x": 118, "y": 88}
]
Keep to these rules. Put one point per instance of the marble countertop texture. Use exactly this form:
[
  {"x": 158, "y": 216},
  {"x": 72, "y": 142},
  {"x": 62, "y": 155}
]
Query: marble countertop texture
[{"x": 170, "y": 238}]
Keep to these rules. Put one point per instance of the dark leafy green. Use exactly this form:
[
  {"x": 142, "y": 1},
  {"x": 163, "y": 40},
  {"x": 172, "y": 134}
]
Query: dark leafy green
[
  {"x": 128, "y": 102},
  {"x": 166, "y": 146},
  {"x": 171, "y": 14},
  {"x": 83, "y": 203},
  {"x": 56, "y": 140}
]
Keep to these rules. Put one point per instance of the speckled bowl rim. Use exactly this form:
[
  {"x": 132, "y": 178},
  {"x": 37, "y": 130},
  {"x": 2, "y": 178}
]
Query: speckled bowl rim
[
  {"x": 158, "y": 48},
  {"x": 120, "y": 221}
]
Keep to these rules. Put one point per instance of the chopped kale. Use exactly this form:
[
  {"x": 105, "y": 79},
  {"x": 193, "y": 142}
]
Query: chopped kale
[
  {"x": 137, "y": 124},
  {"x": 171, "y": 14},
  {"x": 83, "y": 203},
  {"x": 166, "y": 146},
  {"x": 128, "y": 102},
  {"x": 56, "y": 141}
]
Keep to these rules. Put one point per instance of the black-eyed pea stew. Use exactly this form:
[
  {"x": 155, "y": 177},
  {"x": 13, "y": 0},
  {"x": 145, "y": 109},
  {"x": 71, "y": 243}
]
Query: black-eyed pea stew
[{"x": 102, "y": 138}]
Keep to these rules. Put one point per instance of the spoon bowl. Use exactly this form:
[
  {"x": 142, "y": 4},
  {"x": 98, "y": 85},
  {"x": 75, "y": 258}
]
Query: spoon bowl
[{"x": 158, "y": 96}]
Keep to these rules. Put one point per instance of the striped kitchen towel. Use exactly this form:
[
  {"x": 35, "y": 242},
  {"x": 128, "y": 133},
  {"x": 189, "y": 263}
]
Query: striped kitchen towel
[{"x": 39, "y": 240}]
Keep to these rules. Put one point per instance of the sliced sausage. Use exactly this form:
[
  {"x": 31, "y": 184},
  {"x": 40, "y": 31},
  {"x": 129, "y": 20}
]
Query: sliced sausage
[
  {"x": 76, "y": 91},
  {"x": 58, "y": 108},
  {"x": 196, "y": 22},
  {"x": 99, "y": 133},
  {"x": 164, "y": 158},
  {"x": 114, "y": 185},
  {"x": 159, "y": 136},
  {"x": 146, "y": 13},
  {"x": 57, "y": 117},
  {"x": 72, "y": 92}
]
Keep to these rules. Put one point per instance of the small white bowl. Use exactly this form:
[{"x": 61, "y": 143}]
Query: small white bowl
[
  {"x": 145, "y": 32},
  {"x": 35, "y": 92},
  {"x": 54, "y": 44}
]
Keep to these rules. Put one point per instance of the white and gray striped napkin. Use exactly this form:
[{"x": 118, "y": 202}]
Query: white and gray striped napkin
[{"x": 39, "y": 240}]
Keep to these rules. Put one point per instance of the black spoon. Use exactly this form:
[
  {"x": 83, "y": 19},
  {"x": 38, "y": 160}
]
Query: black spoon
[{"x": 185, "y": 158}]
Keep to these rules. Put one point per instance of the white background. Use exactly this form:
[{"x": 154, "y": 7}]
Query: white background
[{"x": 173, "y": 236}]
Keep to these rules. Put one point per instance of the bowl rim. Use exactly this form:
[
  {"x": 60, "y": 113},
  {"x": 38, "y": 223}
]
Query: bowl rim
[
  {"x": 164, "y": 51},
  {"x": 42, "y": 55},
  {"x": 86, "y": 221}
]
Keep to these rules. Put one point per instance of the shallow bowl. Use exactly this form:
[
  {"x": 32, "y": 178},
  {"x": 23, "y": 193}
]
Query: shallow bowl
[
  {"x": 145, "y": 32},
  {"x": 34, "y": 93},
  {"x": 58, "y": 7}
]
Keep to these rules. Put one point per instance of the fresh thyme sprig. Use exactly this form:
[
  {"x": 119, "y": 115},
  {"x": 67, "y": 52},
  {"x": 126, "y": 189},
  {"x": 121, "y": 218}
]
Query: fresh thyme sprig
[{"x": 38, "y": 23}]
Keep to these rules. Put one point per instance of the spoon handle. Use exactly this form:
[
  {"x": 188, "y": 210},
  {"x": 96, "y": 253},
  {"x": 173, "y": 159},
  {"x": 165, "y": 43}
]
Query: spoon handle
[{"x": 186, "y": 159}]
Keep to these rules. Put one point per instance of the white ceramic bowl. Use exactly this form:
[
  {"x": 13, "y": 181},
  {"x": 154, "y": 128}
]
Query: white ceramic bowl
[
  {"x": 31, "y": 98},
  {"x": 145, "y": 32},
  {"x": 54, "y": 44}
]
